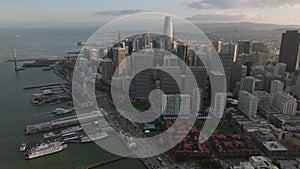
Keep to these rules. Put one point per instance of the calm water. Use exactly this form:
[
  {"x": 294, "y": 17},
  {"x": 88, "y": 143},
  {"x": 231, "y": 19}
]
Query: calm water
[{"x": 16, "y": 112}]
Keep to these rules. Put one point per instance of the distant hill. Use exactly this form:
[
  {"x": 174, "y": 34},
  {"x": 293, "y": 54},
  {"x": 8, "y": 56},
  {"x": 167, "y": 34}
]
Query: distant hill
[
  {"x": 244, "y": 26},
  {"x": 245, "y": 31}
]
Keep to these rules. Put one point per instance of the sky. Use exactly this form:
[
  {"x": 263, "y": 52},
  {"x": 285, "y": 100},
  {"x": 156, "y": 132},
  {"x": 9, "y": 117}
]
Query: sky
[{"x": 88, "y": 13}]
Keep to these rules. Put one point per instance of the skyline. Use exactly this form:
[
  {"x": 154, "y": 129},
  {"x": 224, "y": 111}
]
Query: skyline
[{"x": 34, "y": 13}]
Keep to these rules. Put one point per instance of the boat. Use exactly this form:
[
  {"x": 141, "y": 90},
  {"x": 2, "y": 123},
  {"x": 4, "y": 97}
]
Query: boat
[
  {"x": 60, "y": 111},
  {"x": 23, "y": 147},
  {"x": 49, "y": 135},
  {"x": 45, "y": 149},
  {"x": 46, "y": 69},
  {"x": 71, "y": 129},
  {"x": 94, "y": 137}
]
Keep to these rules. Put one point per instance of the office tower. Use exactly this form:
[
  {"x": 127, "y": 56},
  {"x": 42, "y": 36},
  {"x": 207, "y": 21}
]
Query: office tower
[
  {"x": 199, "y": 74},
  {"x": 248, "y": 84},
  {"x": 276, "y": 86},
  {"x": 218, "y": 46},
  {"x": 169, "y": 106},
  {"x": 217, "y": 84},
  {"x": 229, "y": 49},
  {"x": 268, "y": 80},
  {"x": 280, "y": 69},
  {"x": 147, "y": 41},
  {"x": 286, "y": 103},
  {"x": 289, "y": 50},
  {"x": 107, "y": 70},
  {"x": 168, "y": 76},
  {"x": 142, "y": 84},
  {"x": 176, "y": 105},
  {"x": 119, "y": 55},
  {"x": 227, "y": 61},
  {"x": 263, "y": 97},
  {"x": 102, "y": 53},
  {"x": 296, "y": 90},
  {"x": 168, "y": 27},
  {"x": 244, "y": 47},
  {"x": 236, "y": 74},
  {"x": 248, "y": 103}
]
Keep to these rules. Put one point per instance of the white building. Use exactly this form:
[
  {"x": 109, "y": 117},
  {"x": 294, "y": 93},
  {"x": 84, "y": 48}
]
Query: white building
[
  {"x": 286, "y": 103},
  {"x": 276, "y": 87},
  {"x": 248, "y": 103},
  {"x": 248, "y": 84}
]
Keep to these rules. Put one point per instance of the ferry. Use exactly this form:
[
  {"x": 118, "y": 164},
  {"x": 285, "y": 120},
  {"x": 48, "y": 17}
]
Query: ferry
[
  {"x": 23, "y": 147},
  {"x": 94, "y": 137},
  {"x": 45, "y": 149},
  {"x": 60, "y": 111}
]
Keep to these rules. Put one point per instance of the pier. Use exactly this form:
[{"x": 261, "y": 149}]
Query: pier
[
  {"x": 63, "y": 122},
  {"x": 102, "y": 163},
  {"x": 43, "y": 85}
]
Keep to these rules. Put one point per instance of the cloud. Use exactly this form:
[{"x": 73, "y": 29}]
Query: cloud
[
  {"x": 226, "y": 17},
  {"x": 119, "y": 12},
  {"x": 229, "y": 17},
  {"x": 233, "y": 4}
]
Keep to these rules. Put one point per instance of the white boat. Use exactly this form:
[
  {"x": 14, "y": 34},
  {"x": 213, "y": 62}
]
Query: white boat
[
  {"x": 94, "y": 137},
  {"x": 23, "y": 147},
  {"x": 49, "y": 135},
  {"x": 61, "y": 111},
  {"x": 45, "y": 149}
]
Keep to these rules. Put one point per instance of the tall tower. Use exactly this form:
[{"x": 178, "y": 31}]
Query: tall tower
[
  {"x": 289, "y": 50},
  {"x": 168, "y": 27}
]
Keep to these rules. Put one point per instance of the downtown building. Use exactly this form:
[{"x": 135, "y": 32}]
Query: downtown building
[
  {"x": 286, "y": 103},
  {"x": 276, "y": 87},
  {"x": 289, "y": 50},
  {"x": 248, "y": 103},
  {"x": 178, "y": 105},
  {"x": 248, "y": 84}
]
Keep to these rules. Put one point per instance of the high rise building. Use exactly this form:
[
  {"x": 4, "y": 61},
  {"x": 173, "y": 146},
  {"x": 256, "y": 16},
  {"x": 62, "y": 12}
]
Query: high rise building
[
  {"x": 168, "y": 76},
  {"x": 227, "y": 61},
  {"x": 142, "y": 84},
  {"x": 248, "y": 103},
  {"x": 168, "y": 27},
  {"x": 286, "y": 103},
  {"x": 289, "y": 50},
  {"x": 107, "y": 70},
  {"x": 263, "y": 97},
  {"x": 248, "y": 84},
  {"x": 119, "y": 55},
  {"x": 280, "y": 69},
  {"x": 276, "y": 87},
  {"x": 199, "y": 74},
  {"x": 296, "y": 90},
  {"x": 244, "y": 47},
  {"x": 176, "y": 105}
]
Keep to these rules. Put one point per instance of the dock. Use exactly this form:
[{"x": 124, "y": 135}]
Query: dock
[
  {"x": 62, "y": 122},
  {"x": 102, "y": 163},
  {"x": 43, "y": 85}
]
